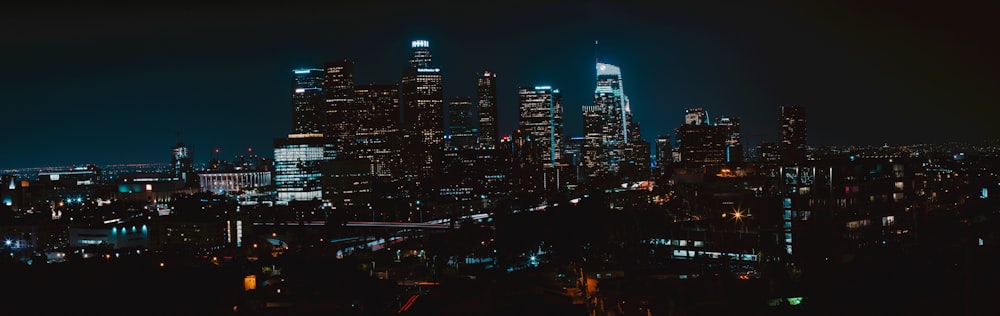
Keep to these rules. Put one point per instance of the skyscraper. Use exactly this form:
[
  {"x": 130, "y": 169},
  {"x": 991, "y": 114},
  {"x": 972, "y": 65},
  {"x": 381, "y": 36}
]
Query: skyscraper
[
  {"x": 486, "y": 86},
  {"x": 610, "y": 98},
  {"x": 664, "y": 153},
  {"x": 461, "y": 123},
  {"x": 593, "y": 134},
  {"x": 792, "y": 121},
  {"x": 340, "y": 112},
  {"x": 541, "y": 123},
  {"x": 378, "y": 138},
  {"x": 423, "y": 112},
  {"x": 308, "y": 115},
  {"x": 731, "y": 130}
]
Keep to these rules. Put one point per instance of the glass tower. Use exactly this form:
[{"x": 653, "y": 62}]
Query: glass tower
[
  {"x": 307, "y": 101},
  {"x": 487, "y": 90}
]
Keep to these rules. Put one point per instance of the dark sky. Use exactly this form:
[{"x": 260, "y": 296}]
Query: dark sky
[{"x": 91, "y": 83}]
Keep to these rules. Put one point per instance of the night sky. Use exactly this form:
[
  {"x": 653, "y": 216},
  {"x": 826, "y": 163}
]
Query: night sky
[{"x": 109, "y": 84}]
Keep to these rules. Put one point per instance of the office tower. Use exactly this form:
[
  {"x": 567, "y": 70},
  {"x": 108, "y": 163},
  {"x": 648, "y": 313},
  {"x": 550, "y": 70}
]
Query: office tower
[
  {"x": 340, "y": 112},
  {"x": 423, "y": 113},
  {"x": 699, "y": 143},
  {"x": 636, "y": 164},
  {"x": 378, "y": 137},
  {"x": 297, "y": 166},
  {"x": 308, "y": 116},
  {"x": 347, "y": 186},
  {"x": 181, "y": 163},
  {"x": 612, "y": 102},
  {"x": 734, "y": 147},
  {"x": 486, "y": 87},
  {"x": 792, "y": 120},
  {"x": 593, "y": 148},
  {"x": 461, "y": 123},
  {"x": 664, "y": 153},
  {"x": 461, "y": 171},
  {"x": 573, "y": 157},
  {"x": 541, "y": 124}
]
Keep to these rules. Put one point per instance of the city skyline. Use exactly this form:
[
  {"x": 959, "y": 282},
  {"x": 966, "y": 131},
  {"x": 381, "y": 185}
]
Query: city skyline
[{"x": 116, "y": 86}]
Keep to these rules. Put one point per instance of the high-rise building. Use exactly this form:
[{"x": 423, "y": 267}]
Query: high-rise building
[
  {"x": 573, "y": 156},
  {"x": 664, "y": 152},
  {"x": 486, "y": 86},
  {"x": 347, "y": 186},
  {"x": 378, "y": 138},
  {"x": 461, "y": 173},
  {"x": 423, "y": 113},
  {"x": 461, "y": 123},
  {"x": 593, "y": 134},
  {"x": 700, "y": 143},
  {"x": 734, "y": 147},
  {"x": 181, "y": 163},
  {"x": 792, "y": 120},
  {"x": 541, "y": 122},
  {"x": 609, "y": 96},
  {"x": 308, "y": 116},
  {"x": 297, "y": 166},
  {"x": 340, "y": 112},
  {"x": 636, "y": 164}
]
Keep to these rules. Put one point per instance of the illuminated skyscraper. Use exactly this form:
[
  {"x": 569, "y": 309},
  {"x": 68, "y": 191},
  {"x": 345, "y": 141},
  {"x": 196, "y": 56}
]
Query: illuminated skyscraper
[
  {"x": 541, "y": 123},
  {"x": 593, "y": 133},
  {"x": 792, "y": 120},
  {"x": 378, "y": 138},
  {"x": 340, "y": 112},
  {"x": 421, "y": 54},
  {"x": 612, "y": 102},
  {"x": 307, "y": 101},
  {"x": 423, "y": 113},
  {"x": 486, "y": 86}
]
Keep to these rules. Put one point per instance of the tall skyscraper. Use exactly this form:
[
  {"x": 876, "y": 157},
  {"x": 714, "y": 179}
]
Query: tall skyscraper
[
  {"x": 340, "y": 112},
  {"x": 792, "y": 120},
  {"x": 308, "y": 115},
  {"x": 378, "y": 137},
  {"x": 423, "y": 112},
  {"x": 610, "y": 98},
  {"x": 486, "y": 86},
  {"x": 461, "y": 123},
  {"x": 541, "y": 123}
]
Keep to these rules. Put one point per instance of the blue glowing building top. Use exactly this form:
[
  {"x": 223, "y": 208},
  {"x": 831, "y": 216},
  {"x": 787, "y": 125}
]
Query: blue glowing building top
[{"x": 421, "y": 54}]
